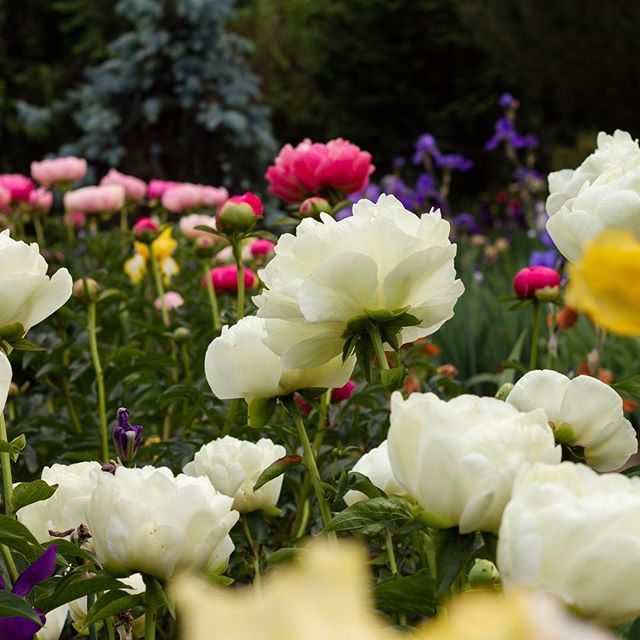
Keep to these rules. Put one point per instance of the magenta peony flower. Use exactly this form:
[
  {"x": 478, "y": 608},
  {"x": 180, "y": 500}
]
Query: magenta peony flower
[
  {"x": 5, "y": 197},
  {"x": 134, "y": 188},
  {"x": 261, "y": 247},
  {"x": 343, "y": 393},
  {"x": 313, "y": 168},
  {"x": 69, "y": 169},
  {"x": 101, "y": 199},
  {"x": 226, "y": 278},
  {"x": 145, "y": 226},
  {"x": 17, "y": 185},
  {"x": 530, "y": 280},
  {"x": 251, "y": 199}
]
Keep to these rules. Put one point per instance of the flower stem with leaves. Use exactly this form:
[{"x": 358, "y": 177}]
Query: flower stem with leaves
[{"x": 97, "y": 366}]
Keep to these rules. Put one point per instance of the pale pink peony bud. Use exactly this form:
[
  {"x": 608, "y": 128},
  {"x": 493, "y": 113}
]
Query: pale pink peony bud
[
  {"x": 101, "y": 199},
  {"x": 41, "y": 199},
  {"x": 59, "y": 170},
  {"x": 134, "y": 188}
]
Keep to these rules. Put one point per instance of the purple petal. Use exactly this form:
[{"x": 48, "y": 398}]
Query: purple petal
[
  {"x": 19, "y": 628},
  {"x": 38, "y": 572},
  {"x": 2, "y": 585}
]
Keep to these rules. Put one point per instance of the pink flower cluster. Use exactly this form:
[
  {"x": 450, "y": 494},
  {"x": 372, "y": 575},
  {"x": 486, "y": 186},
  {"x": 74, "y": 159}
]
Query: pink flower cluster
[
  {"x": 179, "y": 197},
  {"x": 225, "y": 278},
  {"x": 313, "y": 168},
  {"x": 134, "y": 188},
  {"x": 100, "y": 199},
  {"x": 41, "y": 199},
  {"x": 59, "y": 170}
]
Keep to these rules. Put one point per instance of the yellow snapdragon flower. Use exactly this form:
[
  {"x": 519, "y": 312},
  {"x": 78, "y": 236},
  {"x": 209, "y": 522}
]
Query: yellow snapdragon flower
[
  {"x": 605, "y": 282},
  {"x": 163, "y": 248}
]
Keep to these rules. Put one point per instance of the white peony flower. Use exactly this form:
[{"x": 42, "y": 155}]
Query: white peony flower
[
  {"x": 583, "y": 412},
  {"x": 68, "y": 507},
  {"x": 574, "y": 533},
  {"x": 603, "y": 192},
  {"x": 233, "y": 466},
  {"x": 375, "y": 464},
  {"x": 458, "y": 459},
  {"x": 238, "y": 364},
  {"x": 27, "y": 294},
  {"x": 54, "y": 624},
  {"x": 149, "y": 521},
  {"x": 5, "y": 379},
  {"x": 383, "y": 258}
]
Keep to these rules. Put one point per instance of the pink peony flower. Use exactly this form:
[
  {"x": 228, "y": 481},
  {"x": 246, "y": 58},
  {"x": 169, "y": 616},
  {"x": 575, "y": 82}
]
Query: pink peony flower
[
  {"x": 226, "y": 278},
  {"x": 172, "y": 300},
  {"x": 213, "y": 196},
  {"x": 144, "y": 226},
  {"x": 188, "y": 226},
  {"x": 41, "y": 199},
  {"x": 156, "y": 188},
  {"x": 251, "y": 199},
  {"x": 312, "y": 167},
  {"x": 344, "y": 392},
  {"x": 261, "y": 247},
  {"x": 17, "y": 185},
  {"x": 134, "y": 188},
  {"x": 181, "y": 197},
  {"x": 101, "y": 199},
  {"x": 69, "y": 169},
  {"x": 5, "y": 197},
  {"x": 75, "y": 219},
  {"x": 530, "y": 280}
]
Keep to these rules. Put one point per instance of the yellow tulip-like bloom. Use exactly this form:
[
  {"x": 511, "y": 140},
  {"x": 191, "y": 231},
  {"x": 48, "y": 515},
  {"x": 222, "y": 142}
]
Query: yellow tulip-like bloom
[
  {"x": 324, "y": 596},
  {"x": 605, "y": 282},
  {"x": 163, "y": 247}
]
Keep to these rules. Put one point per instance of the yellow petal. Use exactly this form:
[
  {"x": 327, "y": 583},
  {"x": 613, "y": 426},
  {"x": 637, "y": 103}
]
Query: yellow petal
[
  {"x": 136, "y": 268},
  {"x": 164, "y": 245}
]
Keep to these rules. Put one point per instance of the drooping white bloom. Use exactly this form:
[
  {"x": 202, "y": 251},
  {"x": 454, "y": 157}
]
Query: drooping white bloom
[
  {"x": 375, "y": 464},
  {"x": 68, "y": 507},
  {"x": 383, "y": 258},
  {"x": 146, "y": 520},
  {"x": 238, "y": 364},
  {"x": 27, "y": 294},
  {"x": 603, "y": 192},
  {"x": 583, "y": 412},
  {"x": 5, "y": 379},
  {"x": 54, "y": 624},
  {"x": 574, "y": 533},
  {"x": 233, "y": 466},
  {"x": 459, "y": 458}
]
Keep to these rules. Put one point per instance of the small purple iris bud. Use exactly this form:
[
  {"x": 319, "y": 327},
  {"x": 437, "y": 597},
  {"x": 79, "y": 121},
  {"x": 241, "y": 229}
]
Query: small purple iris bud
[{"x": 126, "y": 437}]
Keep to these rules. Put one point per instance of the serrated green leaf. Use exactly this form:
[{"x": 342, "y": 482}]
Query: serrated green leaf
[
  {"x": 27, "y": 493},
  {"x": 394, "y": 378},
  {"x": 367, "y": 512}
]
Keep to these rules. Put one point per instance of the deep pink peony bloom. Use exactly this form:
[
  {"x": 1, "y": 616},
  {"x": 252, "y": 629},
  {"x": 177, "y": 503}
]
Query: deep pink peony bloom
[
  {"x": 530, "y": 280},
  {"x": 75, "y": 219},
  {"x": 311, "y": 168},
  {"x": 156, "y": 188},
  {"x": 251, "y": 199},
  {"x": 226, "y": 278},
  {"x": 17, "y": 185},
  {"x": 41, "y": 199},
  {"x": 134, "y": 188},
  {"x": 5, "y": 197},
  {"x": 344, "y": 392},
  {"x": 101, "y": 199},
  {"x": 69, "y": 169},
  {"x": 261, "y": 247},
  {"x": 144, "y": 226}
]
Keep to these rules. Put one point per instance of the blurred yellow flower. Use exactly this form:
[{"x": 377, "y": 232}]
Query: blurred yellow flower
[
  {"x": 163, "y": 247},
  {"x": 605, "y": 282},
  {"x": 325, "y": 596}
]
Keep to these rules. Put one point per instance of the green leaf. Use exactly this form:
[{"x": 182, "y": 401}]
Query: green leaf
[
  {"x": 22, "y": 344},
  {"x": 359, "y": 482},
  {"x": 110, "y": 293},
  {"x": 285, "y": 554},
  {"x": 367, "y": 512},
  {"x": 110, "y": 604},
  {"x": 67, "y": 550},
  {"x": 277, "y": 468},
  {"x": 412, "y": 595},
  {"x": 630, "y": 386},
  {"x": 27, "y": 493},
  {"x": 393, "y": 379},
  {"x": 454, "y": 551},
  {"x": 17, "y": 537},
  {"x": 14, "y": 447},
  {"x": 508, "y": 375},
  {"x": 634, "y": 630},
  {"x": 513, "y": 364},
  {"x": 13, "y": 606},
  {"x": 520, "y": 305},
  {"x": 632, "y": 471}
]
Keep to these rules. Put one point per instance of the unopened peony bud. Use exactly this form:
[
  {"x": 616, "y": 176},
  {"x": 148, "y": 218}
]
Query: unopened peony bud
[
  {"x": 126, "y": 437},
  {"x": 181, "y": 334},
  {"x": 206, "y": 247},
  {"x": 483, "y": 574},
  {"x": 236, "y": 216},
  {"x": 504, "y": 391},
  {"x": 344, "y": 392},
  {"x": 314, "y": 206},
  {"x": 146, "y": 228},
  {"x": 540, "y": 283},
  {"x": 86, "y": 289}
]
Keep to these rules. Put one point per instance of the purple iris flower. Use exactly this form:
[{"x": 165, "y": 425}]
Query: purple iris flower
[
  {"x": 398, "y": 187},
  {"x": 504, "y": 130},
  {"x": 466, "y": 221},
  {"x": 126, "y": 436},
  {"x": 547, "y": 258},
  {"x": 398, "y": 163},
  {"x": 425, "y": 188},
  {"x": 546, "y": 240},
  {"x": 454, "y": 162},
  {"x": 425, "y": 145},
  {"x": 530, "y": 141},
  {"x": 371, "y": 192},
  {"x": 17, "y": 628},
  {"x": 507, "y": 101}
]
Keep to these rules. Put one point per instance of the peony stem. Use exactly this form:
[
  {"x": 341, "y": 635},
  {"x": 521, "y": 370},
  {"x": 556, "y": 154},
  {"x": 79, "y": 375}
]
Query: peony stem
[
  {"x": 157, "y": 279},
  {"x": 255, "y": 550},
  {"x": 535, "y": 336},
  {"x": 376, "y": 341},
  {"x": 213, "y": 300},
  {"x": 93, "y": 632},
  {"x": 5, "y": 461},
  {"x": 37, "y": 225},
  {"x": 231, "y": 414},
  {"x": 124, "y": 227},
  {"x": 151, "y": 614},
  {"x": 95, "y": 357},
  {"x": 237, "y": 256}
]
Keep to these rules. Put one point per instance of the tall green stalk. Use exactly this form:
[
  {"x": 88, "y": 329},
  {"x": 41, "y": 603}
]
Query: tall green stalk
[
  {"x": 237, "y": 256},
  {"x": 213, "y": 300},
  {"x": 157, "y": 279},
  {"x": 151, "y": 614},
  {"x": 97, "y": 366},
  {"x": 535, "y": 336},
  {"x": 7, "y": 488}
]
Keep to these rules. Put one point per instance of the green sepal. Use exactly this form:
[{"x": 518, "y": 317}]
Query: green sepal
[{"x": 260, "y": 411}]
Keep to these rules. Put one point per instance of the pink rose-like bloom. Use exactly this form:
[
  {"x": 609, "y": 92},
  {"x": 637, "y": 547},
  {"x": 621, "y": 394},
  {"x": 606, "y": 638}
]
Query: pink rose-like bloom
[
  {"x": 69, "y": 169},
  {"x": 145, "y": 225},
  {"x": 134, "y": 188},
  {"x": 251, "y": 199},
  {"x": 226, "y": 278},
  {"x": 532, "y": 279},
  {"x": 75, "y": 219},
  {"x": 17, "y": 185},
  {"x": 312, "y": 167},
  {"x": 261, "y": 247},
  {"x": 41, "y": 199},
  {"x": 172, "y": 300},
  {"x": 101, "y": 199},
  {"x": 182, "y": 196},
  {"x": 344, "y": 392},
  {"x": 212, "y": 196},
  {"x": 189, "y": 223},
  {"x": 156, "y": 188},
  {"x": 5, "y": 197}
]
